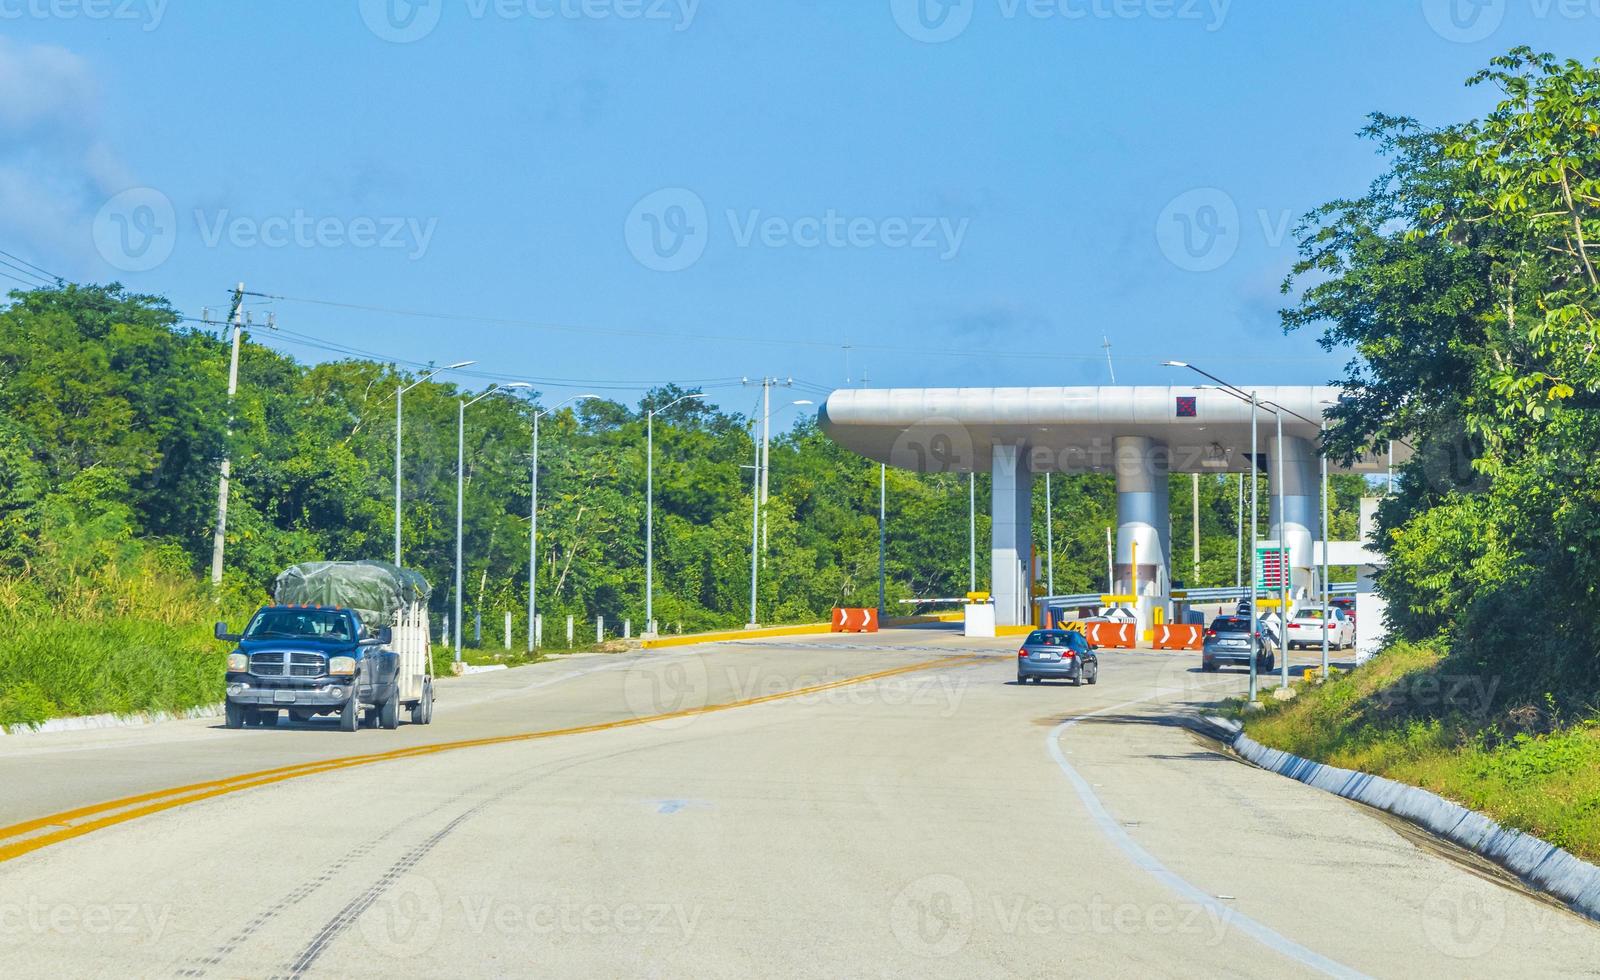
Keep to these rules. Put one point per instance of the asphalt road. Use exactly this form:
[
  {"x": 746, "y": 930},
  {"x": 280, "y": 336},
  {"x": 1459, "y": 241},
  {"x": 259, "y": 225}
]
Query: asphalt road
[{"x": 932, "y": 819}]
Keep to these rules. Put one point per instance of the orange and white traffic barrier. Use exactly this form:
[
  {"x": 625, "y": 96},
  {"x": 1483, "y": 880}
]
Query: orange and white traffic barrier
[
  {"x": 1179, "y": 636},
  {"x": 1110, "y": 636},
  {"x": 846, "y": 620}
]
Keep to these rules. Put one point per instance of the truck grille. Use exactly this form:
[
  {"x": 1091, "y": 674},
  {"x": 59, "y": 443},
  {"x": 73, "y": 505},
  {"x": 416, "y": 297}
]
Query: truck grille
[{"x": 279, "y": 664}]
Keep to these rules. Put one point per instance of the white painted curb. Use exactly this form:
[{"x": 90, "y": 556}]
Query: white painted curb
[
  {"x": 1539, "y": 863},
  {"x": 86, "y": 723}
]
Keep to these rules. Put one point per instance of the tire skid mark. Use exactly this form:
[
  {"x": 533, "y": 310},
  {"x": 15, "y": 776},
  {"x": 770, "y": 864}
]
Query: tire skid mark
[
  {"x": 307, "y": 888},
  {"x": 347, "y": 916}
]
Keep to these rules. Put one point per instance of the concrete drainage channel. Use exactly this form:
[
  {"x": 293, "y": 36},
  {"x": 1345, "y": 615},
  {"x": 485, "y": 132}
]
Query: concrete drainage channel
[{"x": 1538, "y": 864}]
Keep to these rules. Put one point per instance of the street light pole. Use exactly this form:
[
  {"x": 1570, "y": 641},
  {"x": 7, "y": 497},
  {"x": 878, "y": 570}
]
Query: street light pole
[
  {"x": 755, "y": 525},
  {"x": 650, "y": 512},
  {"x": 461, "y": 465},
  {"x": 1255, "y": 517},
  {"x": 1255, "y": 554},
  {"x": 883, "y": 535},
  {"x": 1049, "y": 539},
  {"x": 461, "y": 452},
  {"x": 1238, "y": 560},
  {"x": 1283, "y": 562},
  {"x": 972, "y": 529},
  {"x": 399, "y": 415},
  {"x": 1327, "y": 607},
  {"x": 533, "y": 517}
]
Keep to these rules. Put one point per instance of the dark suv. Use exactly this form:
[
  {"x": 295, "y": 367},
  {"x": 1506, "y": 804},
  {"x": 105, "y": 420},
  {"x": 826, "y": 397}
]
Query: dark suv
[{"x": 1228, "y": 644}]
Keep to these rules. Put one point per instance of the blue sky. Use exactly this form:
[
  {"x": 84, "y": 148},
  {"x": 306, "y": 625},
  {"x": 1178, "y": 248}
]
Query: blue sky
[{"x": 631, "y": 192}]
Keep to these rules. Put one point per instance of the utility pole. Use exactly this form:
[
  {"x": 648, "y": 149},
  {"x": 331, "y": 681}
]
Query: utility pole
[
  {"x": 1106, "y": 343},
  {"x": 764, "y": 450},
  {"x": 220, "y": 537}
]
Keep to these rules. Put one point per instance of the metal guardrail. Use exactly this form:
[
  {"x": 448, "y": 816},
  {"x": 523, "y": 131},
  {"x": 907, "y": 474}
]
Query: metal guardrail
[{"x": 1218, "y": 594}]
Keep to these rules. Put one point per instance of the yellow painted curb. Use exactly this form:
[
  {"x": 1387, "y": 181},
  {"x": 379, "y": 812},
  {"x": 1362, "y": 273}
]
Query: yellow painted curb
[
  {"x": 809, "y": 629},
  {"x": 1013, "y": 630}
]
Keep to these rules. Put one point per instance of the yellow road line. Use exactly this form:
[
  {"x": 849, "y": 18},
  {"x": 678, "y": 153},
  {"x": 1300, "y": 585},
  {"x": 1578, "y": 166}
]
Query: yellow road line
[
  {"x": 113, "y": 812},
  {"x": 721, "y": 636}
]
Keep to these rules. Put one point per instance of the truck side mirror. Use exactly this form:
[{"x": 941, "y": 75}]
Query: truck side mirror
[
  {"x": 386, "y": 635},
  {"x": 220, "y": 631}
]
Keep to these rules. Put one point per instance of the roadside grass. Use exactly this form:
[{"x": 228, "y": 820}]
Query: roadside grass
[
  {"x": 123, "y": 634},
  {"x": 1409, "y": 716}
]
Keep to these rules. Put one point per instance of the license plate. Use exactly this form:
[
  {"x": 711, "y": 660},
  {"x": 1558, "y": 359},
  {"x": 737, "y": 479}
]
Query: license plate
[
  {"x": 1045, "y": 656},
  {"x": 283, "y": 697},
  {"x": 1232, "y": 644}
]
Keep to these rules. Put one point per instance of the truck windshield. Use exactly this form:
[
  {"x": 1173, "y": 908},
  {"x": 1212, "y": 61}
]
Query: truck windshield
[{"x": 317, "y": 624}]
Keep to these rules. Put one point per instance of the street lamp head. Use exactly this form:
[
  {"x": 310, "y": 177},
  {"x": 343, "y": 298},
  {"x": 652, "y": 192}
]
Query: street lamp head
[
  {"x": 805, "y": 401},
  {"x": 516, "y": 384},
  {"x": 1176, "y": 364},
  {"x": 458, "y": 365}
]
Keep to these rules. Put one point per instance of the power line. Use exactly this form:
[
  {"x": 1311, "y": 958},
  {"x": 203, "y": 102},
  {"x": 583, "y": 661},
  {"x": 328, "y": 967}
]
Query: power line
[
  {"x": 673, "y": 335},
  {"x": 25, "y": 282},
  {"x": 1032, "y": 354},
  {"x": 287, "y": 336},
  {"x": 12, "y": 265},
  {"x": 47, "y": 272}
]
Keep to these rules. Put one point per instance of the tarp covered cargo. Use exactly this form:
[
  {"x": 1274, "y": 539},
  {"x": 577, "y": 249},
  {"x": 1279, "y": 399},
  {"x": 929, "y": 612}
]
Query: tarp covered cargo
[{"x": 374, "y": 589}]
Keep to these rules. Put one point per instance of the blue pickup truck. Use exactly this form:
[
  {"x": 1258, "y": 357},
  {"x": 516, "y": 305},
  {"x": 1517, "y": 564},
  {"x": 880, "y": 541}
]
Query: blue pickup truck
[{"x": 313, "y": 658}]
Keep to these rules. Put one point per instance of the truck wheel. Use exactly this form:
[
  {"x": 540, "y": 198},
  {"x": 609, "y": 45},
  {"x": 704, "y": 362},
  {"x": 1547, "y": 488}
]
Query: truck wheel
[
  {"x": 350, "y": 716},
  {"x": 232, "y": 715},
  {"x": 389, "y": 713},
  {"x": 422, "y": 711}
]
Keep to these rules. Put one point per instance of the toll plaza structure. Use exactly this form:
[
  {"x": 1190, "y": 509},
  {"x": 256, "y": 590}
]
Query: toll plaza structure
[{"x": 1140, "y": 434}]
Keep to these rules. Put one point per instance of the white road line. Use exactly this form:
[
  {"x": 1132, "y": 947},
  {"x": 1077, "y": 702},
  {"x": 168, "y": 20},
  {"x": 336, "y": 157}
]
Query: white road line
[{"x": 1174, "y": 882}]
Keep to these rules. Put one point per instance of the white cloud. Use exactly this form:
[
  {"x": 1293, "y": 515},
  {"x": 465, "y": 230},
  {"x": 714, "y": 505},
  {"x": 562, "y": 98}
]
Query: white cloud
[
  {"x": 55, "y": 167},
  {"x": 46, "y": 87}
]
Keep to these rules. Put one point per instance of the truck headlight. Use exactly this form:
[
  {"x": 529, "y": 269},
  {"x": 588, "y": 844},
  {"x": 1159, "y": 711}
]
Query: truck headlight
[
  {"x": 238, "y": 663},
  {"x": 342, "y": 666}
]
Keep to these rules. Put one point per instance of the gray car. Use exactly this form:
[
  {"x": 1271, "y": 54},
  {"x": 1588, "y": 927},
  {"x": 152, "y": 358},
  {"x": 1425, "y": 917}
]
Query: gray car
[
  {"x": 1228, "y": 644},
  {"x": 1061, "y": 655}
]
